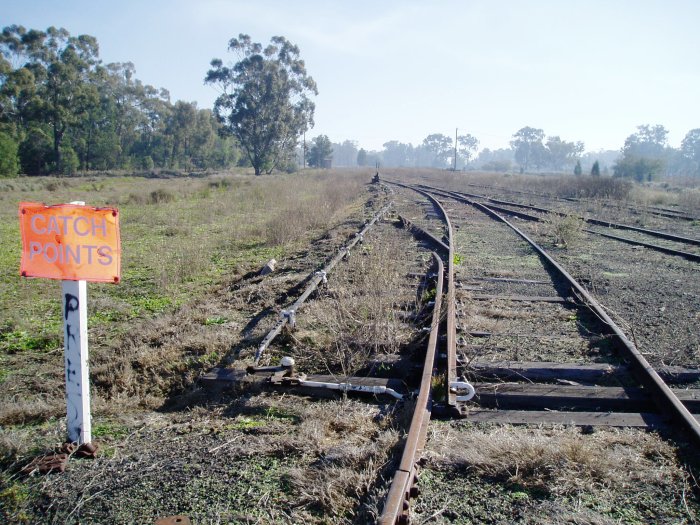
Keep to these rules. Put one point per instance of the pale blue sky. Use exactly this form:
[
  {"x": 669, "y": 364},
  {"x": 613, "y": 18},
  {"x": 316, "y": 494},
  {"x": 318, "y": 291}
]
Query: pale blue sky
[{"x": 589, "y": 71}]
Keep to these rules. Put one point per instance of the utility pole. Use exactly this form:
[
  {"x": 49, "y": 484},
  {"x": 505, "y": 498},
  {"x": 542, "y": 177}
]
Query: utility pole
[{"x": 455, "y": 159}]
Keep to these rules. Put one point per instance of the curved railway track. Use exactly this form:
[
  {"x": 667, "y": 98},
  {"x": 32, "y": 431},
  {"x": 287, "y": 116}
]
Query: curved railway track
[
  {"x": 680, "y": 247},
  {"x": 521, "y": 343},
  {"x": 535, "y": 403},
  {"x": 650, "y": 209}
]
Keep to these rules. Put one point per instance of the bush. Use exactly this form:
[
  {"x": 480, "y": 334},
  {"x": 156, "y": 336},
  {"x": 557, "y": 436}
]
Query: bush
[
  {"x": 641, "y": 169},
  {"x": 69, "y": 161},
  {"x": 9, "y": 162},
  {"x": 160, "y": 195},
  {"x": 497, "y": 165},
  {"x": 565, "y": 230},
  {"x": 36, "y": 153},
  {"x": 589, "y": 187}
]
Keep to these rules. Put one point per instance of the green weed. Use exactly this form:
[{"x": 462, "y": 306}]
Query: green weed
[
  {"x": 22, "y": 341},
  {"x": 428, "y": 295},
  {"x": 273, "y": 412},
  {"x": 152, "y": 304},
  {"x": 246, "y": 423},
  {"x": 215, "y": 320},
  {"x": 14, "y": 500},
  {"x": 109, "y": 430}
]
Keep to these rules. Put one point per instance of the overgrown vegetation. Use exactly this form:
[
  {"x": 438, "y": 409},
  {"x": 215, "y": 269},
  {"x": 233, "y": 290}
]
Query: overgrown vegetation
[
  {"x": 360, "y": 313},
  {"x": 565, "y": 231},
  {"x": 185, "y": 238}
]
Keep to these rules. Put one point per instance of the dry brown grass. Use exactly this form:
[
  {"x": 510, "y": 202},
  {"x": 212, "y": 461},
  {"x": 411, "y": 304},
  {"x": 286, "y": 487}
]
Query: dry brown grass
[
  {"x": 297, "y": 212},
  {"x": 561, "y": 462},
  {"x": 351, "y": 447},
  {"x": 652, "y": 196},
  {"x": 360, "y": 312},
  {"x": 553, "y": 185},
  {"x": 689, "y": 200},
  {"x": 269, "y": 458}
]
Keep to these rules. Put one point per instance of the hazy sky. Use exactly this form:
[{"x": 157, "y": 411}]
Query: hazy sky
[{"x": 399, "y": 70}]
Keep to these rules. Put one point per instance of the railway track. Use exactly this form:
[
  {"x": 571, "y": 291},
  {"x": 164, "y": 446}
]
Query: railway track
[
  {"x": 517, "y": 392},
  {"x": 660, "y": 211},
  {"x": 678, "y": 245},
  {"x": 512, "y": 339}
]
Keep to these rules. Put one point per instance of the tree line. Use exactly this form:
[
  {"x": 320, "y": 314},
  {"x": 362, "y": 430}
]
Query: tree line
[
  {"x": 438, "y": 151},
  {"x": 63, "y": 110},
  {"x": 645, "y": 155}
]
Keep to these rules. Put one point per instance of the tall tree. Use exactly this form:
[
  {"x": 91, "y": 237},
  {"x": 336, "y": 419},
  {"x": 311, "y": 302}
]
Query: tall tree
[
  {"x": 65, "y": 110},
  {"x": 61, "y": 66},
  {"x": 320, "y": 153},
  {"x": 265, "y": 102},
  {"x": 648, "y": 141},
  {"x": 440, "y": 148},
  {"x": 644, "y": 154},
  {"x": 345, "y": 154},
  {"x": 9, "y": 164},
  {"x": 397, "y": 154},
  {"x": 528, "y": 147},
  {"x": 690, "y": 149},
  {"x": 362, "y": 157},
  {"x": 466, "y": 147},
  {"x": 560, "y": 153}
]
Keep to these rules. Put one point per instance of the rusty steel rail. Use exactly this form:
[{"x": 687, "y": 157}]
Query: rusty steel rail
[
  {"x": 421, "y": 233},
  {"x": 396, "y": 506},
  {"x": 686, "y": 255},
  {"x": 596, "y": 222},
  {"x": 654, "y": 210},
  {"x": 525, "y": 216},
  {"x": 288, "y": 315},
  {"x": 451, "y": 321},
  {"x": 666, "y": 401}
]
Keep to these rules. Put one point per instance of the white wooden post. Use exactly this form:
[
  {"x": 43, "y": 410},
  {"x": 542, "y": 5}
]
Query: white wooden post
[{"x": 75, "y": 344}]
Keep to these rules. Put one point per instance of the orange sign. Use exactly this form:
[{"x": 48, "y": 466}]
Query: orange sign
[{"x": 70, "y": 242}]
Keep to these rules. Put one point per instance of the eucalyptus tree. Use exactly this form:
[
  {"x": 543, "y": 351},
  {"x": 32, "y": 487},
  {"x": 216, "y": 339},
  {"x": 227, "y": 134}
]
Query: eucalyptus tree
[
  {"x": 644, "y": 154},
  {"x": 345, "y": 153},
  {"x": 440, "y": 148},
  {"x": 61, "y": 65},
  {"x": 265, "y": 101},
  {"x": 528, "y": 147},
  {"x": 467, "y": 146},
  {"x": 362, "y": 157},
  {"x": 560, "y": 153},
  {"x": 690, "y": 150},
  {"x": 320, "y": 153},
  {"x": 397, "y": 154}
]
